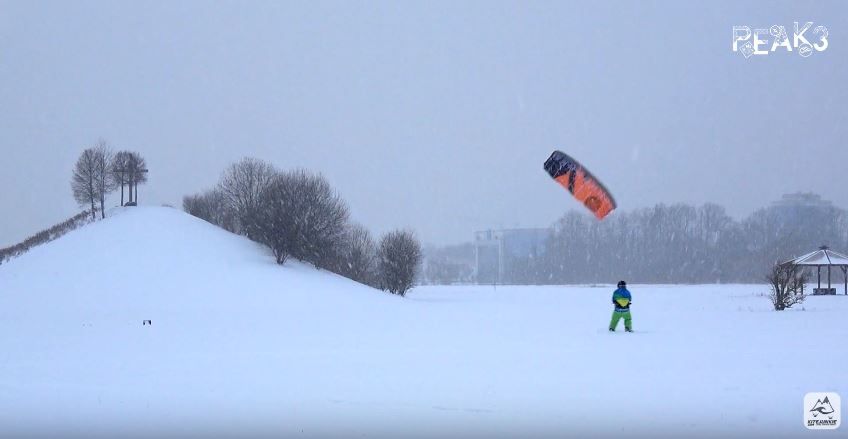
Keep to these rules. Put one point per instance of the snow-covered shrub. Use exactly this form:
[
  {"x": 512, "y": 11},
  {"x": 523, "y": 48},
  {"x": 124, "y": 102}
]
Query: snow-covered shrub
[
  {"x": 356, "y": 256},
  {"x": 210, "y": 206},
  {"x": 787, "y": 284},
  {"x": 303, "y": 217},
  {"x": 398, "y": 260},
  {"x": 45, "y": 236},
  {"x": 298, "y": 214}
]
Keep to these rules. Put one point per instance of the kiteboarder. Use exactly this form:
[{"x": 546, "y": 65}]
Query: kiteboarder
[{"x": 621, "y": 300}]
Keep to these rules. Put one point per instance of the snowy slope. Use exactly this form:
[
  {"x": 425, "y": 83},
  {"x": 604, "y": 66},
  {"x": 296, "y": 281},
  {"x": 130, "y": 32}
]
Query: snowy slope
[
  {"x": 228, "y": 325},
  {"x": 241, "y": 346}
]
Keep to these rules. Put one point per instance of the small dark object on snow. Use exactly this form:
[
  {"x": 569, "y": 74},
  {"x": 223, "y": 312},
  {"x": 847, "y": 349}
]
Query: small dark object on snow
[
  {"x": 146, "y": 322},
  {"x": 130, "y": 204}
]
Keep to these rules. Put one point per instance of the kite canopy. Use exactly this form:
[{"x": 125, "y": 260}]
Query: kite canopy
[{"x": 581, "y": 183}]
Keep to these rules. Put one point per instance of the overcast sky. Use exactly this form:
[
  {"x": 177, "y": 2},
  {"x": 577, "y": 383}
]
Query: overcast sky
[{"x": 435, "y": 116}]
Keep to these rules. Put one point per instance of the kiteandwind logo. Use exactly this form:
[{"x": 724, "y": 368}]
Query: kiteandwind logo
[
  {"x": 822, "y": 410},
  {"x": 805, "y": 40}
]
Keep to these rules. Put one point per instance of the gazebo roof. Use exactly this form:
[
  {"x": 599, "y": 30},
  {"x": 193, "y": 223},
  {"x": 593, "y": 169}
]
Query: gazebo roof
[{"x": 821, "y": 257}]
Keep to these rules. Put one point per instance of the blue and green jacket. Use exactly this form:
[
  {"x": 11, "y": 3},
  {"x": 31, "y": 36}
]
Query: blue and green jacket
[{"x": 621, "y": 299}]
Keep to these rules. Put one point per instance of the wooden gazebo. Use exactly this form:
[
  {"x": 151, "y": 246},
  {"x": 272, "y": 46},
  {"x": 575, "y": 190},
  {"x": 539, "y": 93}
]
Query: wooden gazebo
[{"x": 824, "y": 257}]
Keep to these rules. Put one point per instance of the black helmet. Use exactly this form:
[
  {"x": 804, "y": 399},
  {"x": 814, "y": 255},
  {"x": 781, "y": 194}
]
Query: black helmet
[{"x": 622, "y": 284}]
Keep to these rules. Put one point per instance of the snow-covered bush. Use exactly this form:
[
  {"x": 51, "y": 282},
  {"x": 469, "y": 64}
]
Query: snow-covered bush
[
  {"x": 787, "y": 284},
  {"x": 212, "y": 207},
  {"x": 45, "y": 236},
  {"x": 298, "y": 214},
  {"x": 398, "y": 260},
  {"x": 356, "y": 256},
  {"x": 303, "y": 217}
]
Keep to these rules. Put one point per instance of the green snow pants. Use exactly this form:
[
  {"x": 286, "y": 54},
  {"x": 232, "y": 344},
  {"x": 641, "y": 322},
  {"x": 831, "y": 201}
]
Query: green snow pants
[{"x": 617, "y": 315}]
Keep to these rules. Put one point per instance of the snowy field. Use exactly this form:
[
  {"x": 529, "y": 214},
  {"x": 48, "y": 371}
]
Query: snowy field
[{"x": 239, "y": 346}]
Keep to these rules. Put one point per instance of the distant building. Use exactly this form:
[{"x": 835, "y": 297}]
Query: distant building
[
  {"x": 804, "y": 200},
  {"x": 495, "y": 250},
  {"x": 792, "y": 208}
]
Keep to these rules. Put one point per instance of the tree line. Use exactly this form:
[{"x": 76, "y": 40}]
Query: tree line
[
  {"x": 297, "y": 214},
  {"x": 99, "y": 171},
  {"x": 680, "y": 243},
  {"x": 677, "y": 243}
]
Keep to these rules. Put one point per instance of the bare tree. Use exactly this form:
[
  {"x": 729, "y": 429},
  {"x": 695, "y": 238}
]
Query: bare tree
[
  {"x": 398, "y": 260},
  {"x": 242, "y": 184},
  {"x": 104, "y": 183},
  {"x": 302, "y": 217},
  {"x": 787, "y": 282},
  {"x": 92, "y": 179},
  {"x": 84, "y": 180}
]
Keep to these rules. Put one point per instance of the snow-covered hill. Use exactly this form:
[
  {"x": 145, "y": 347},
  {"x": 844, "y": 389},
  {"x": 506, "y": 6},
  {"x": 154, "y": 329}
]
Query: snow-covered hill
[
  {"x": 241, "y": 346},
  {"x": 233, "y": 335}
]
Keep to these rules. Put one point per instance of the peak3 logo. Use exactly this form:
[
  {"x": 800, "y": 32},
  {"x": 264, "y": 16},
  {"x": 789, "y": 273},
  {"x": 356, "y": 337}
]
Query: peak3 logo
[{"x": 756, "y": 42}]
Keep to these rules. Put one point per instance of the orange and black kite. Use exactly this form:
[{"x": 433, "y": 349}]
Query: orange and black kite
[{"x": 581, "y": 183}]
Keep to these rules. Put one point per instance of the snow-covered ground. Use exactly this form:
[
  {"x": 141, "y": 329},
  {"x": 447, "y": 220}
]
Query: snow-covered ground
[{"x": 241, "y": 346}]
